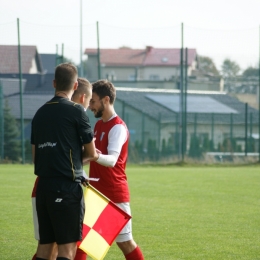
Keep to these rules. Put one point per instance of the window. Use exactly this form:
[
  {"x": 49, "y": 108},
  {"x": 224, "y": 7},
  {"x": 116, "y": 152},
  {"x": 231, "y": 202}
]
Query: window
[
  {"x": 131, "y": 78},
  {"x": 154, "y": 77}
]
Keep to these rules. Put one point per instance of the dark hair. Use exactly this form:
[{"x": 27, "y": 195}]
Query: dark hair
[
  {"x": 84, "y": 87},
  {"x": 65, "y": 76},
  {"x": 104, "y": 88}
]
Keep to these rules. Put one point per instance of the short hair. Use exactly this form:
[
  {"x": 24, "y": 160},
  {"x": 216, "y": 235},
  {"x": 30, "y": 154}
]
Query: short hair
[
  {"x": 65, "y": 76},
  {"x": 104, "y": 88},
  {"x": 84, "y": 87}
]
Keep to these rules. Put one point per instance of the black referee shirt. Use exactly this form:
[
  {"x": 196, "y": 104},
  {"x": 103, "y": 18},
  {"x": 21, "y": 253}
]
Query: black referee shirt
[{"x": 59, "y": 129}]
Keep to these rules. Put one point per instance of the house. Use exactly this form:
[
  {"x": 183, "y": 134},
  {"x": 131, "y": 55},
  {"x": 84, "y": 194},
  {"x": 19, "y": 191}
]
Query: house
[
  {"x": 31, "y": 66},
  {"x": 49, "y": 62},
  {"x": 145, "y": 68},
  {"x": 151, "y": 113},
  {"x": 11, "y": 86}
]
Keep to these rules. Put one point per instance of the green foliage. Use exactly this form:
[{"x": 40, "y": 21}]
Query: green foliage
[
  {"x": 251, "y": 72},
  {"x": 207, "y": 65},
  {"x": 152, "y": 150},
  {"x": 206, "y": 145},
  {"x": 195, "y": 149},
  {"x": 178, "y": 212},
  {"x": 230, "y": 69},
  {"x": 211, "y": 142},
  {"x": 12, "y": 148},
  {"x": 229, "y": 145},
  {"x": 251, "y": 145},
  {"x": 28, "y": 151}
]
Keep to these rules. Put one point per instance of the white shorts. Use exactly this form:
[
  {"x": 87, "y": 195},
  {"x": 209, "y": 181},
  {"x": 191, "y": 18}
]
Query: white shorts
[
  {"x": 35, "y": 219},
  {"x": 126, "y": 232}
]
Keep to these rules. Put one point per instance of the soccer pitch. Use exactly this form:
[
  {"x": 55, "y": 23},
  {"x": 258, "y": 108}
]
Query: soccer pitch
[{"x": 193, "y": 213}]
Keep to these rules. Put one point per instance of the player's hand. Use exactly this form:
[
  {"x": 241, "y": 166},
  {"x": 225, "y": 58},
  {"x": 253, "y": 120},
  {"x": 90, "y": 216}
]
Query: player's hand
[{"x": 85, "y": 183}]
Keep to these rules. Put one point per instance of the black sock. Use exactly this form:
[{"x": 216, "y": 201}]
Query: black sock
[
  {"x": 38, "y": 258},
  {"x": 62, "y": 258}
]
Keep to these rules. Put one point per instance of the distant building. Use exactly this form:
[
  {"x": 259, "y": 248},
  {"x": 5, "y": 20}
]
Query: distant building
[
  {"x": 31, "y": 65},
  {"x": 146, "y": 68},
  {"x": 155, "y": 115}
]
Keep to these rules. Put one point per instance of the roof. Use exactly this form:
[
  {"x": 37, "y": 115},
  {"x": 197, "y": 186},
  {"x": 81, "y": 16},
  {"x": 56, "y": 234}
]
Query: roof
[
  {"x": 156, "y": 108},
  {"x": 142, "y": 57},
  {"x": 119, "y": 57},
  {"x": 147, "y": 101},
  {"x": 9, "y": 59},
  {"x": 31, "y": 103},
  {"x": 11, "y": 86},
  {"x": 48, "y": 62}
]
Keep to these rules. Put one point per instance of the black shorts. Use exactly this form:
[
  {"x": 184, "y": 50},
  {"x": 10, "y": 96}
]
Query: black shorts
[{"x": 60, "y": 216}]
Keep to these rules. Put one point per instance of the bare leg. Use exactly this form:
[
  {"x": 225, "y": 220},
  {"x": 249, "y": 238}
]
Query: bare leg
[
  {"x": 67, "y": 250},
  {"x": 45, "y": 250},
  {"x": 127, "y": 246},
  {"x": 54, "y": 253}
]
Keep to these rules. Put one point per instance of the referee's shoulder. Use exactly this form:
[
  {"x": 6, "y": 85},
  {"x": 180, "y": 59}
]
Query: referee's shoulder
[{"x": 76, "y": 105}]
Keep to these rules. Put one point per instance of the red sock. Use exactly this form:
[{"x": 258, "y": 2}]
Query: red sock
[
  {"x": 80, "y": 255},
  {"x": 136, "y": 254},
  {"x": 34, "y": 257}
]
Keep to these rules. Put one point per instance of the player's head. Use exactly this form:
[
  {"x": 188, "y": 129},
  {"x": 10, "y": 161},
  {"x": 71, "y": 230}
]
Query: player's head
[
  {"x": 104, "y": 88},
  {"x": 66, "y": 76},
  {"x": 83, "y": 93},
  {"x": 103, "y": 97}
]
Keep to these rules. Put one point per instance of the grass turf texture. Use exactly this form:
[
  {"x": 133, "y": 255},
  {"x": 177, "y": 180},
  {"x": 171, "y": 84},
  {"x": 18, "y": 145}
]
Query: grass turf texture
[{"x": 178, "y": 212}]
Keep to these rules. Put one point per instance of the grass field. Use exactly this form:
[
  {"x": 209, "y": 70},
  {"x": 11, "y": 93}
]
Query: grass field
[{"x": 193, "y": 213}]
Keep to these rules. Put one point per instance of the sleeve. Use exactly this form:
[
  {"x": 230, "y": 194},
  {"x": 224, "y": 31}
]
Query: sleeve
[
  {"x": 84, "y": 128},
  {"x": 116, "y": 138}
]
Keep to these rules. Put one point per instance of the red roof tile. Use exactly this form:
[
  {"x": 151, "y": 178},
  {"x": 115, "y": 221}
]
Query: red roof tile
[
  {"x": 167, "y": 57},
  {"x": 9, "y": 58},
  {"x": 119, "y": 57},
  {"x": 146, "y": 57}
]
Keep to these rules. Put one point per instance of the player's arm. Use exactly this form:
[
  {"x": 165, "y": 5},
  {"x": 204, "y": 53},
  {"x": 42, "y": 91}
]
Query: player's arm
[
  {"x": 116, "y": 139},
  {"x": 89, "y": 152}
]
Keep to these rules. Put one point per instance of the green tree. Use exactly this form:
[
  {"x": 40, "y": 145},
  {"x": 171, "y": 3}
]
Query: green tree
[
  {"x": 208, "y": 66},
  {"x": 206, "y": 145},
  {"x": 12, "y": 146},
  {"x": 152, "y": 151},
  {"x": 28, "y": 151},
  {"x": 251, "y": 72},
  {"x": 230, "y": 69},
  {"x": 195, "y": 149}
]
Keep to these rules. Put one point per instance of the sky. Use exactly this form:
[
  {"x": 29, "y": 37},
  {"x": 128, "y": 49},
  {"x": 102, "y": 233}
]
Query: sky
[{"x": 217, "y": 29}]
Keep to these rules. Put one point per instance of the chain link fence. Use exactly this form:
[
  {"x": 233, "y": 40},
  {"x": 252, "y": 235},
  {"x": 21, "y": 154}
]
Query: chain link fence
[{"x": 221, "y": 120}]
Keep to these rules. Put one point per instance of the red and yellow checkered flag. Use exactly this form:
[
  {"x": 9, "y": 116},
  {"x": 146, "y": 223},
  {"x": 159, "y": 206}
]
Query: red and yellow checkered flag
[{"x": 102, "y": 223}]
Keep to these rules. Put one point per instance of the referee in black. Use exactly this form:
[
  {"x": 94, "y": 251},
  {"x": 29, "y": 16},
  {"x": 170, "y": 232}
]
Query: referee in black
[{"x": 61, "y": 139}]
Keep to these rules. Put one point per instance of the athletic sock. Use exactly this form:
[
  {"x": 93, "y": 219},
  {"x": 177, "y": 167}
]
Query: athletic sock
[
  {"x": 34, "y": 257},
  {"x": 136, "y": 254},
  {"x": 38, "y": 258},
  {"x": 62, "y": 258},
  {"x": 80, "y": 255}
]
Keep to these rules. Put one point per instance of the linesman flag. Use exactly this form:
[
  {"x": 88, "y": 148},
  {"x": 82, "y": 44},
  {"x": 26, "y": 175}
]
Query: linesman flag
[{"x": 102, "y": 223}]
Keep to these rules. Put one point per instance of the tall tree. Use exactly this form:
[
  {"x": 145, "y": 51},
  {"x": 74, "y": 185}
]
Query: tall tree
[
  {"x": 230, "y": 69},
  {"x": 251, "y": 72},
  {"x": 208, "y": 66},
  {"x": 12, "y": 146}
]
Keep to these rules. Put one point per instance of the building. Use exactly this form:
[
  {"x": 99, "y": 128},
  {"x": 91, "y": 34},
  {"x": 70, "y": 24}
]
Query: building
[
  {"x": 151, "y": 67},
  {"x": 31, "y": 65},
  {"x": 153, "y": 116},
  {"x": 152, "y": 112}
]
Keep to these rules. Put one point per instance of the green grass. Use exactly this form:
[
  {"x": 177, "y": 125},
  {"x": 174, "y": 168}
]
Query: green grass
[{"x": 186, "y": 212}]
